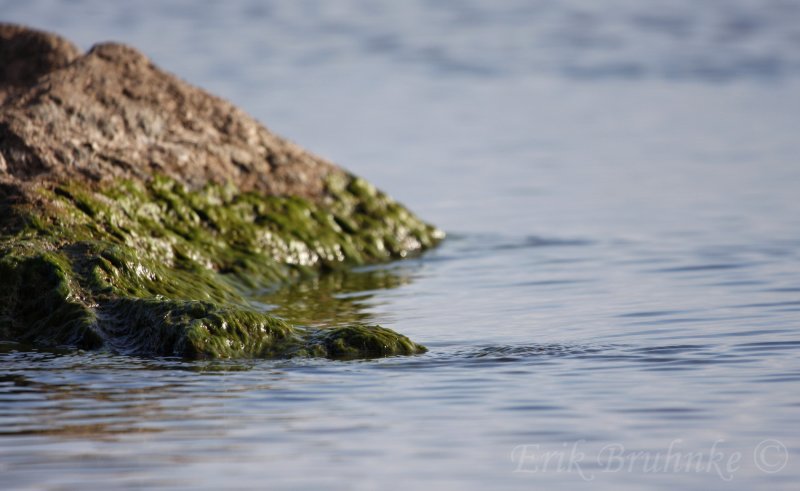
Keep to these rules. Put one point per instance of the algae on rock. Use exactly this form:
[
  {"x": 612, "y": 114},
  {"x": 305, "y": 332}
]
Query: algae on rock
[
  {"x": 153, "y": 268},
  {"x": 151, "y": 242}
]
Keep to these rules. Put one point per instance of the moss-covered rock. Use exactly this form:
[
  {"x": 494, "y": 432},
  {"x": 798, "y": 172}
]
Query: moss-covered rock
[
  {"x": 360, "y": 341},
  {"x": 153, "y": 268},
  {"x": 141, "y": 214}
]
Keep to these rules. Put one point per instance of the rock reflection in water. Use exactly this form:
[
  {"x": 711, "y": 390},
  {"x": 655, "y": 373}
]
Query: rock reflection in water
[
  {"x": 68, "y": 394},
  {"x": 334, "y": 299}
]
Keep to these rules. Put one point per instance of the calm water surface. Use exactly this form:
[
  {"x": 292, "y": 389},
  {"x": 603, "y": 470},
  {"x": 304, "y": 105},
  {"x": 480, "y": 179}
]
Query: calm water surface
[{"x": 617, "y": 305}]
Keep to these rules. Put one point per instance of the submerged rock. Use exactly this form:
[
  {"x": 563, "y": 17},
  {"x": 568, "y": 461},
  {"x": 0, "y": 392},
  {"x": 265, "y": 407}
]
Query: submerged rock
[{"x": 138, "y": 212}]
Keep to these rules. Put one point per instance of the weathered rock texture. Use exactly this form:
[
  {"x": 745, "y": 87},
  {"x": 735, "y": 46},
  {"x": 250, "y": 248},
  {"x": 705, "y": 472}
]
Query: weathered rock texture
[
  {"x": 26, "y": 55},
  {"x": 138, "y": 211},
  {"x": 112, "y": 114}
]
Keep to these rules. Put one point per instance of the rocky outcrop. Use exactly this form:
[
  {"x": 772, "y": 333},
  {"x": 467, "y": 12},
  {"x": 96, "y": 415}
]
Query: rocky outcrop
[
  {"x": 112, "y": 114},
  {"x": 138, "y": 213},
  {"x": 27, "y": 54}
]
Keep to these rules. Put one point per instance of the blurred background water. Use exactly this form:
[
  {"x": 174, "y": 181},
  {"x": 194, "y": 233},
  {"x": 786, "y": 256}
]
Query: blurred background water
[{"x": 619, "y": 180}]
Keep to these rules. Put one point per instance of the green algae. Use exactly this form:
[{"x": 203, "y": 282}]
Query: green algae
[
  {"x": 157, "y": 269},
  {"x": 362, "y": 341}
]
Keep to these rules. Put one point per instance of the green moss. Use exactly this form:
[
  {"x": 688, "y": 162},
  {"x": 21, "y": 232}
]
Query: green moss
[
  {"x": 41, "y": 302},
  {"x": 196, "y": 329},
  {"x": 157, "y": 269},
  {"x": 362, "y": 341}
]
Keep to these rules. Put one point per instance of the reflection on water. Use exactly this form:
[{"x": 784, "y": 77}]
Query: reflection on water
[
  {"x": 336, "y": 298},
  {"x": 64, "y": 394},
  {"x": 71, "y": 411}
]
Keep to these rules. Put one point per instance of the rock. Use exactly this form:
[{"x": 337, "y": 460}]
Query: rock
[
  {"x": 112, "y": 114},
  {"x": 138, "y": 212},
  {"x": 27, "y": 54}
]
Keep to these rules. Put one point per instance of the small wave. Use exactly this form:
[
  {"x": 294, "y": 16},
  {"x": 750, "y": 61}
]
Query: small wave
[
  {"x": 653, "y": 313},
  {"x": 528, "y": 351},
  {"x": 534, "y": 241},
  {"x": 701, "y": 268},
  {"x": 668, "y": 357}
]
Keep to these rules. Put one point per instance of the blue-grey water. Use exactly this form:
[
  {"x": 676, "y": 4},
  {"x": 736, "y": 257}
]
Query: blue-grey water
[{"x": 617, "y": 305}]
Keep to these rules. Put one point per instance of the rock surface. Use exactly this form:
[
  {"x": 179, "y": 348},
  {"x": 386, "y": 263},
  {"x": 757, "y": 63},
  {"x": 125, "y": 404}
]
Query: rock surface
[
  {"x": 26, "y": 55},
  {"x": 138, "y": 211},
  {"x": 112, "y": 114}
]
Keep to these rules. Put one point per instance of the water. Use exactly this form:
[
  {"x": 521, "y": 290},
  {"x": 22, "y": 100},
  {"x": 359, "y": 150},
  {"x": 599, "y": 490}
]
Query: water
[{"x": 617, "y": 305}]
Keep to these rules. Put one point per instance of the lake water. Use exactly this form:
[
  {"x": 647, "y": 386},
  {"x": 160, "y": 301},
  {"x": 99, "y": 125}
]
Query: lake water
[{"x": 617, "y": 305}]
